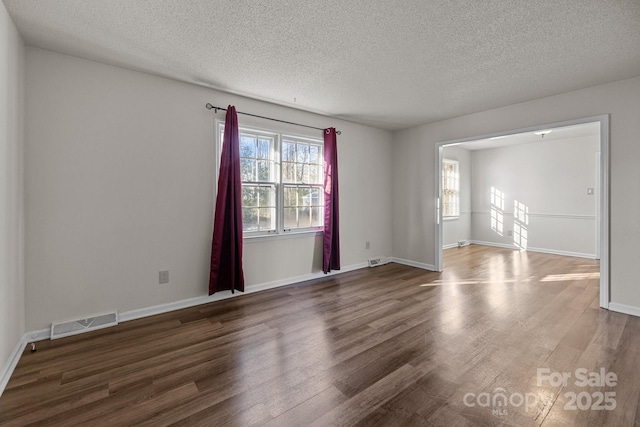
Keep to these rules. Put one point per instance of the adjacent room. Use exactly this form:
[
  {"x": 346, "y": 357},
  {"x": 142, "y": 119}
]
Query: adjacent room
[
  {"x": 536, "y": 190},
  {"x": 334, "y": 214}
]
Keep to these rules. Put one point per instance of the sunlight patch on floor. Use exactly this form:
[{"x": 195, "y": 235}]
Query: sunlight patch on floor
[
  {"x": 473, "y": 282},
  {"x": 569, "y": 277}
]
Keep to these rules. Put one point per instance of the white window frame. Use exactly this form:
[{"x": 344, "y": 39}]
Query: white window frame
[
  {"x": 455, "y": 180},
  {"x": 278, "y": 137}
]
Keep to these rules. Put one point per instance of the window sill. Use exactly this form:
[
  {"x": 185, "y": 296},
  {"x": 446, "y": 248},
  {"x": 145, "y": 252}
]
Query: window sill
[
  {"x": 450, "y": 218},
  {"x": 279, "y": 236}
]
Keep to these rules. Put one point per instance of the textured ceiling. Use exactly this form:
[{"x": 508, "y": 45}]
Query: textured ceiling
[{"x": 382, "y": 63}]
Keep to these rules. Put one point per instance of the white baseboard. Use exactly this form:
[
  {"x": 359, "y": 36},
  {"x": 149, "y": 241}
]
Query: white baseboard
[
  {"x": 218, "y": 296},
  {"x": 14, "y": 358},
  {"x": 139, "y": 313},
  {"x": 493, "y": 244},
  {"x": 11, "y": 364},
  {"x": 449, "y": 246},
  {"x": 530, "y": 249},
  {"x": 625, "y": 309},
  {"x": 303, "y": 278},
  {"x": 563, "y": 253},
  {"x": 413, "y": 263}
]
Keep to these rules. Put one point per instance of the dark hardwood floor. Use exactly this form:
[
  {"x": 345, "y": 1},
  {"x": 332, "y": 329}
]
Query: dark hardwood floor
[{"x": 385, "y": 346}]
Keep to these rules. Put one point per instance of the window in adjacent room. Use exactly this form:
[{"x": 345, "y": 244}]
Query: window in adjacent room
[
  {"x": 450, "y": 189},
  {"x": 282, "y": 182}
]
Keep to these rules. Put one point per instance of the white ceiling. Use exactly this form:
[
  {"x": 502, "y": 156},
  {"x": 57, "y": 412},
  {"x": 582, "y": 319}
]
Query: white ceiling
[
  {"x": 551, "y": 134},
  {"x": 383, "y": 63}
]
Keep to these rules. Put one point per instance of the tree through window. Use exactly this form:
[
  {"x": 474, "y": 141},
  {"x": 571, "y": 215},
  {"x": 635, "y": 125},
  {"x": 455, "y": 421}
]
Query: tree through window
[{"x": 282, "y": 181}]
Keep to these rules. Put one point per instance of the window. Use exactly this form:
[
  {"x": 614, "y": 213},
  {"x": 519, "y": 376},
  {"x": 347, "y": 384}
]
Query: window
[
  {"x": 450, "y": 189},
  {"x": 302, "y": 179},
  {"x": 497, "y": 210},
  {"x": 258, "y": 174},
  {"x": 282, "y": 182},
  {"x": 520, "y": 224}
]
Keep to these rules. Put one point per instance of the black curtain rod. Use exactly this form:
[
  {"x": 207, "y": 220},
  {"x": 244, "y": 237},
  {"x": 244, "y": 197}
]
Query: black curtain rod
[{"x": 211, "y": 107}]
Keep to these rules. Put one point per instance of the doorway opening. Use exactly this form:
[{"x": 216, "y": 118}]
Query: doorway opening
[{"x": 522, "y": 219}]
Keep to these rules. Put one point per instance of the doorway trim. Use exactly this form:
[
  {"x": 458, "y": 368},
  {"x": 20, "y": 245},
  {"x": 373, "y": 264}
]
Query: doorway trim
[{"x": 603, "y": 218}]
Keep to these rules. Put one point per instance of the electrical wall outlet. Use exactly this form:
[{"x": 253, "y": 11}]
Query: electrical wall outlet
[
  {"x": 367, "y": 245},
  {"x": 163, "y": 277},
  {"x": 510, "y": 233}
]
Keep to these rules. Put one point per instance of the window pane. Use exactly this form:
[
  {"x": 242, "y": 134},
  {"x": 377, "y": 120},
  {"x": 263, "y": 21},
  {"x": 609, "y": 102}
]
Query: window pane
[
  {"x": 317, "y": 217},
  {"x": 264, "y": 148},
  {"x": 304, "y": 196},
  {"x": 302, "y": 172},
  {"x": 314, "y": 175},
  {"x": 304, "y": 217},
  {"x": 450, "y": 188},
  {"x": 314, "y": 154},
  {"x": 266, "y": 196},
  {"x": 297, "y": 173},
  {"x": 309, "y": 201},
  {"x": 303, "y": 153},
  {"x": 249, "y": 197},
  {"x": 264, "y": 167},
  {"x": 317, "y": 198},
  {"x": 267, "y": 219},
  {"x": 290, "y": 196},
  {"x": 247, "y": 146},
  {"x": 247, "y": 170},
  {"x": 288, "y": 151},
  {"x": 288, "y": 172},
  {"x": 290, "y": 218},
  {"x": 250, "y": 219}
]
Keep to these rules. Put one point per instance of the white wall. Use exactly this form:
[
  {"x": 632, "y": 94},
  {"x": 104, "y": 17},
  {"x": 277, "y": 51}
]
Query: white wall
[
  {"x": 12, "y": 324},
  {"x": 551, "y": 178},
  {"x": 454, "y": 230},
  {"x": 120, "y": 184},
  {"x": 413, "y": 171}
]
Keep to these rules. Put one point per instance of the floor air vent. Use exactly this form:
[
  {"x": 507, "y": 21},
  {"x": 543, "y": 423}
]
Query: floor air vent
[
  {"x": 373, "y": 262},
  {"x": 73, "y": 327}
]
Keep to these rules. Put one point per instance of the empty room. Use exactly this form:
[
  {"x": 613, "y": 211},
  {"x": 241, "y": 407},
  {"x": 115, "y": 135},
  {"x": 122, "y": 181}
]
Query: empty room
[
  {"x": 223, "y": 213},
  {"x": 536, "y": 191}
]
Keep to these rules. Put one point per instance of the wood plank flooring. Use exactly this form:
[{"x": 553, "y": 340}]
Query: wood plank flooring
[{"x": 385, "y": 346}]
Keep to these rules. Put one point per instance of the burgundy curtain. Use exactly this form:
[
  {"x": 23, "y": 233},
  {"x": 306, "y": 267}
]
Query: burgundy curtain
[
  {"x": 331, "y": 252},
  {"x": 226, "y": 248}
]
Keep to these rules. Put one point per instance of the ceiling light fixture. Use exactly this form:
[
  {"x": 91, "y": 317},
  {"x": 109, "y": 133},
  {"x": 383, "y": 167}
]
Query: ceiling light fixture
[{"x": 542, "y": 133}]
